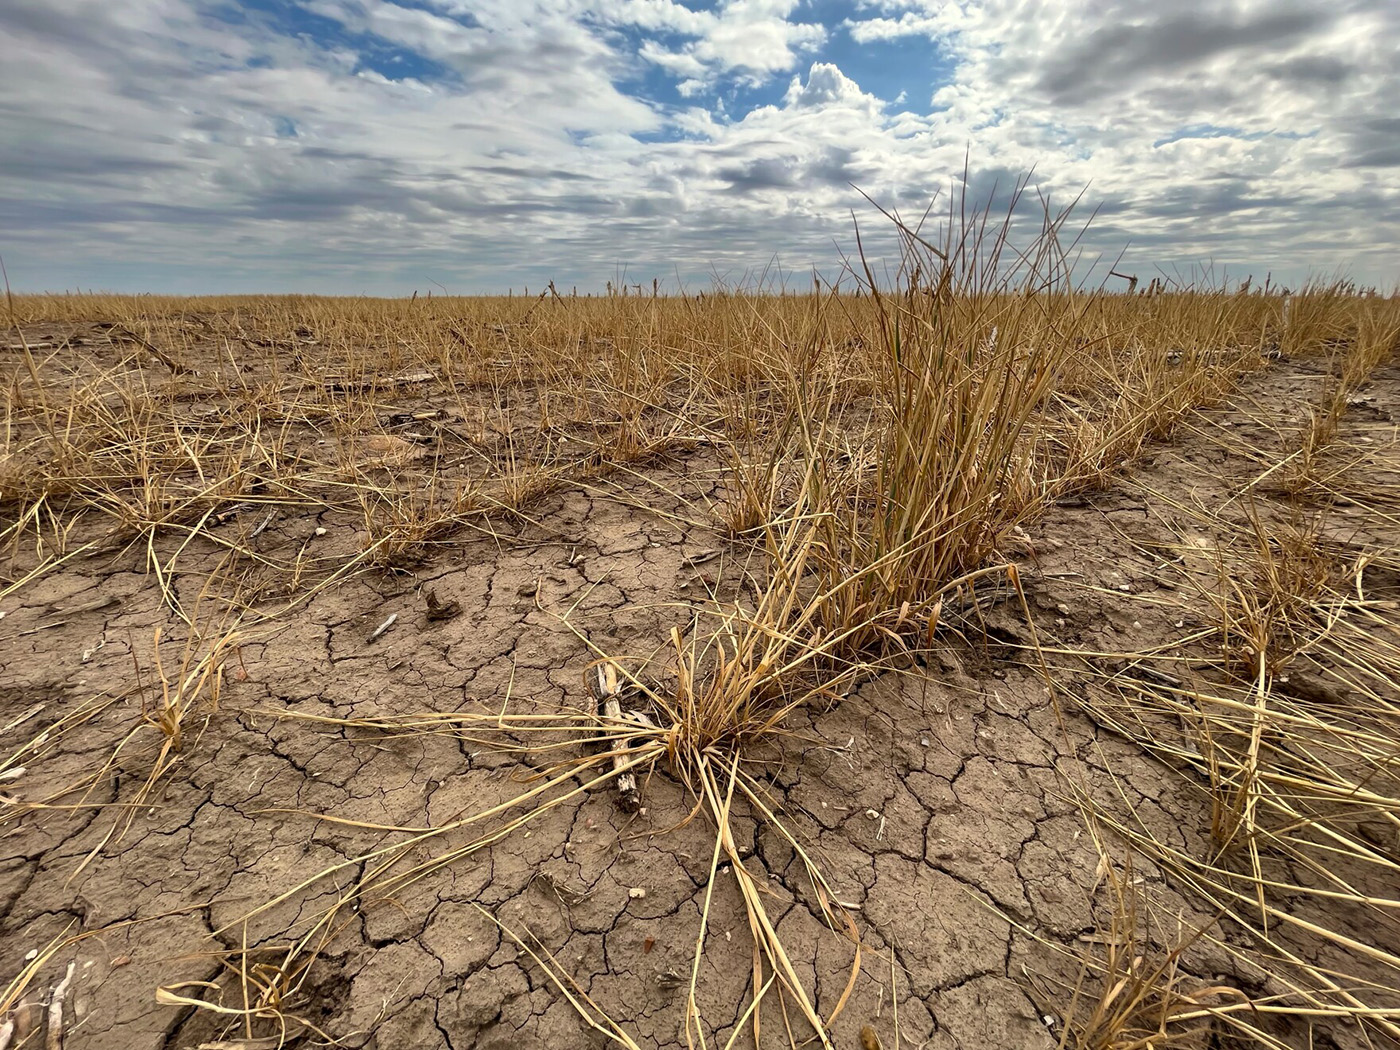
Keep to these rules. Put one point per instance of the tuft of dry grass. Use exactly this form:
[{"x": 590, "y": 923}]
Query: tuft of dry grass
[
  {"x": 156, "y": 719},
  {"x": 1131, "y": 993},
  {"x": 1270, "y": 598}
]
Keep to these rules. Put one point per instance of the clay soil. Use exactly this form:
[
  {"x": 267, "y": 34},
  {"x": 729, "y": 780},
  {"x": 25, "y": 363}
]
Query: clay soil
[{"x": 948, "y": 799}]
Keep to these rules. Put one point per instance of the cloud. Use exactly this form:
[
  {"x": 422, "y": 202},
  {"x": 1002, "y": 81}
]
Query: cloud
[
  {"x": 1375, "y": 143},
  {"x": 1121, "y": 56},
  {"x": 865, "y": 31},
  {"x": 342, "y": 145},
  {"x": 754, "y": 38},
  {"x": 1326, "y": 71},
  {"x": 1151, "y": 104},
  {"x": 825, "y": 85}
]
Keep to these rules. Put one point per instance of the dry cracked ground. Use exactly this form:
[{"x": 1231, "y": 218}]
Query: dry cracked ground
[{"x": 944, "y": 799}]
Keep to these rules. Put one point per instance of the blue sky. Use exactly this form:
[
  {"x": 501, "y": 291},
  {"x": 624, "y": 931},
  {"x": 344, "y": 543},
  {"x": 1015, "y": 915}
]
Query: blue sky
[{"x": 349, "y": 146}]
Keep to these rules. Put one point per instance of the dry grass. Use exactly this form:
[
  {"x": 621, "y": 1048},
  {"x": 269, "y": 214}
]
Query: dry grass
[
  {"x": 1288, "y": 727},
  {"x": 884, "y": 441},
  {"x": 720, "y": 704},
  {"x": 160, "y": 720},
  {"x": 1132, "y": 991}
]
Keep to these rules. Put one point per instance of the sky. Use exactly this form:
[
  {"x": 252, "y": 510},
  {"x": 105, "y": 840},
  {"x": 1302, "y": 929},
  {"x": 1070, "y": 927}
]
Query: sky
[{"x": 469, "y": 146}]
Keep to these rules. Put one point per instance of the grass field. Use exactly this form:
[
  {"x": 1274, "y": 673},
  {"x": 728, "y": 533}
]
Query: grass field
[{"x": 986, "y": 661}]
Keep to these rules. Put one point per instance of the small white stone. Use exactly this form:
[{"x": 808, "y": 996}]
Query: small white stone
[
  {"x": 320, "y": 531},
  {"x": 636, "y": 893}
]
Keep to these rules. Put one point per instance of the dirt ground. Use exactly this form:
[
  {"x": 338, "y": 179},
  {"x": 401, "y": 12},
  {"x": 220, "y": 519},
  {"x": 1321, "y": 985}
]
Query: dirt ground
[{"x": 943, "y": 799}]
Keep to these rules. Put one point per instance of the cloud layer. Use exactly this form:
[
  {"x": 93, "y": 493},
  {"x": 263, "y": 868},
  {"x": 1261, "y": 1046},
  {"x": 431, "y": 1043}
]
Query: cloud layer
[{"x": 368, "y": 145}]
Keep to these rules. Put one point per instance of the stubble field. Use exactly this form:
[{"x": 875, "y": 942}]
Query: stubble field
[{"x": 997, "y": 664}]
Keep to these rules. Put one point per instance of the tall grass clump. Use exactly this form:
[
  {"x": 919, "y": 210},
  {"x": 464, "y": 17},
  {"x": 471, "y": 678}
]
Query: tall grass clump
[{"x": 978, "y": 330}]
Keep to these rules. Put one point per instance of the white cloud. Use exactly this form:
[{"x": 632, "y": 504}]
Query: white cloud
[
  {"x": 1088, "y": 92},
  {"x": 751, "y": 37},
  {"x": 908, "y": 24},
  {"x": 825, "y": 85},
  {"x": 678, "y": 63},
  {"x": 148, "y": 143}
]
